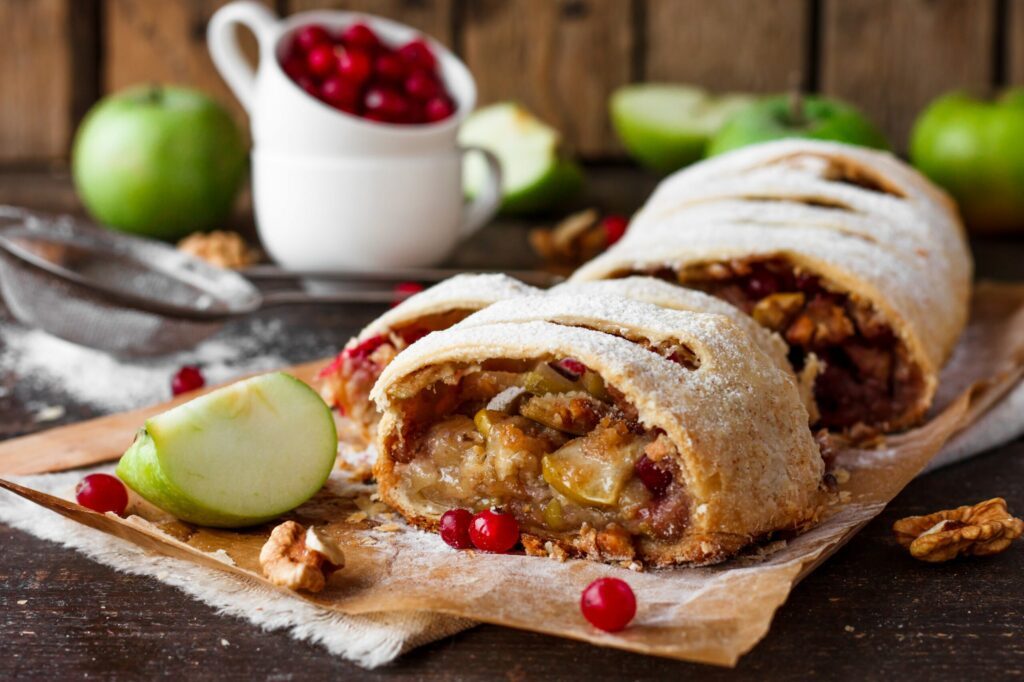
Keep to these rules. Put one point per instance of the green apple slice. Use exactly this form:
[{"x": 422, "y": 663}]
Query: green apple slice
[
  {"x": 237, "y": 456},
  {"x": 535, "y": 176},
  {"x": 666, "y": 127}
]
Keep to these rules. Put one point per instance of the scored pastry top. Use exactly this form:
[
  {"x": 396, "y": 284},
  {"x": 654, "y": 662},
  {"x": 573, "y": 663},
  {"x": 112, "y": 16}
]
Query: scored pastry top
[{"x": 461, "y": 292}]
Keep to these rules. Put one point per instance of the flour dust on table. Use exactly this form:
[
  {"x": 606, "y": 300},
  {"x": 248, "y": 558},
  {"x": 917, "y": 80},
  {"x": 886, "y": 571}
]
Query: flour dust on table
[{"x": 46, "y": 365}]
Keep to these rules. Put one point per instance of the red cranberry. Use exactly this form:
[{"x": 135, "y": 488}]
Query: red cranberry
[
  {"x": 390, "y": 67},
  {"x": 614, "y": 227},
  {"x": 494, "y": 531},
  {"x": 362, "y": 350},
  {"x": 360, "y": 36},
  {"x": 761, "y": 282},
  {"x": 188, "y": 378},
  {"x": 572, "y": 366},
  {"x": 340, "y": 93},
  {"x": 439, "y": 109},
  {"x": 354, "y": 65},
  {"x": 321, "y": 60},
  {"x": 310, "y": 36},
  {"x": 608, "y": 604},
  {"x": 455, "y": 528},
  {"x": 652, "y": 476},
  {"x": 102, "y": 493},
  {"x": 404, "y": 290},
  {"x": 295, "y": 67},
  {"x": 309, "y": 85},
  {"x": 385, "y": 104},
  {"x": 418, "y": 53},
  {"x": 422, "y": 85}
]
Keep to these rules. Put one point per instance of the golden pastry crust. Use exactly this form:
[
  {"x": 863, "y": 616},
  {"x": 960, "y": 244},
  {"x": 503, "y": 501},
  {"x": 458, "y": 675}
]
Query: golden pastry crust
[
  {"x": 865, "y": 223},
  {"x": 665, "y": 295},
  {"x": 747, "y": 458}
]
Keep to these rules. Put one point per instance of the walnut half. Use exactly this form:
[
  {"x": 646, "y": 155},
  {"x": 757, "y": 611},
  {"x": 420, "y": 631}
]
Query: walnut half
[
  {"x": 299, "y": 559},
  {"x": 979, "y": 530}
]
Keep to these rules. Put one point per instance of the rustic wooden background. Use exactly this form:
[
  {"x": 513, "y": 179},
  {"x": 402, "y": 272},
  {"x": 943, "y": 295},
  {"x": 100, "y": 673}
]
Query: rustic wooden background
[{"x": 562, "y": 58}]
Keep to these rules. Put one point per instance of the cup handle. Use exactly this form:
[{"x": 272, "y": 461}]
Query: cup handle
[
  {"x": 485, "y": 204},
  {"x": 224, "y": 50}
]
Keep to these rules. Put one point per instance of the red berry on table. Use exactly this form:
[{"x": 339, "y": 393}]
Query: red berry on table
[
  {"x": 422, "y": 85},
  {"x": 354, "y": 65},
  {"x": 385, "y": 104},
  {"x": 404, "y": 290},
  {"x": 439, "y": 109},
  {"x": 321, "y": 60},
  {"x": 390, "y": 67},
  {"x": 102, "y": 493},
  {"x": 614, "y": 227},
  {"x": 418, "y": 53},
  {"x": 360, "y": 36},
  {"x": 454, "y": 527},
  {"x": 188, "y": 378},
  {"x": 494, "y": 531},
  {"x": 310, "y": 36},
  {"x": 608, "y": 604},
  {"x": 340, "y": 93}
]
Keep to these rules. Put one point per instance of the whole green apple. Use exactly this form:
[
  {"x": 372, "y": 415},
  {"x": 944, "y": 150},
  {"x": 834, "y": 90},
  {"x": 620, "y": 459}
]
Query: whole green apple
[
  {"x": 975, "y": 150},
  {"x": 158, "y": 161},
  {"x": 813, "y": 117}
]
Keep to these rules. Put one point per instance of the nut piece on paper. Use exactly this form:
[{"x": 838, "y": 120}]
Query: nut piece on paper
[
  {"x": 299, "y": 559},
  {"x": 223, "y": 249},
  {"x": 979, "y": 530}
]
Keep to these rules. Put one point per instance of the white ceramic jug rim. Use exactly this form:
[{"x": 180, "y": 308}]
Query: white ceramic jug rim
[{"x": 462, "y": 87}]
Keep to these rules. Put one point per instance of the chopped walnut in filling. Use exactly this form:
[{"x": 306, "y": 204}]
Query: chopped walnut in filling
[
  {"x": 345, "y": 383},
  {"x": 869, "y": 382},
  {"x": 565, "y": 454}
]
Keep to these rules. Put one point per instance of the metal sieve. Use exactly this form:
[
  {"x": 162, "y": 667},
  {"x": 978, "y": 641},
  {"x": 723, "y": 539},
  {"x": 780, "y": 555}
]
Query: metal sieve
[{"x": 132, "y": 296}]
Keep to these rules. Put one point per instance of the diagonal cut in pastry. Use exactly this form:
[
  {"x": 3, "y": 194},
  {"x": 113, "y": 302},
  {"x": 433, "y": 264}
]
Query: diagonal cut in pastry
[
  {"x": 345, "y": 383},
  {"x": 612, "y": 429},
  {"x": 850, "y": 255}
]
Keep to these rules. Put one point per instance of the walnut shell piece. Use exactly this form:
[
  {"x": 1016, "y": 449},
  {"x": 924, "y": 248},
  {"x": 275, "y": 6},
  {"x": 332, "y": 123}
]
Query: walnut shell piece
[
  {"x": 299, "y": 559},
  {"x": 220, "y": 248},
  {"x": 979, "y": 530}
]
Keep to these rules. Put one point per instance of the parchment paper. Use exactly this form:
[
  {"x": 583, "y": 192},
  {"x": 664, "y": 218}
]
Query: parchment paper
[{"x": 711, "y": 615}]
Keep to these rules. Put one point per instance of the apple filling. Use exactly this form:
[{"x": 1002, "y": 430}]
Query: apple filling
[
  {"x": 870, "y": 382},
  {"x": 345, "y": 383},
  {"x": 548, "y": 442}
]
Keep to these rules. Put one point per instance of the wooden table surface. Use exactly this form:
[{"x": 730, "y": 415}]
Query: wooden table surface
[{"x": 870, "y": 612}]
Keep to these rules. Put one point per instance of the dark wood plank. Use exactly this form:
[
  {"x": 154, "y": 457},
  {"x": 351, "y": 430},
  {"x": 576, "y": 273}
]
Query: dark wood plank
[
  {"x": 728, "y": 44},
  {"x": 165, "y": 42},
  {"x": 562, "y": 59},
  {"x": 36, "y": 79},
  {"x": 433, "y": 17},
  {"x": 1013, "y": 48},
  {"x": 892, "y": 58}
]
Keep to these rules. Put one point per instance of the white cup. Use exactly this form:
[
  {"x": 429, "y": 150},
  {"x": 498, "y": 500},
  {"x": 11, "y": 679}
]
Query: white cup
[
  {"x": 284, "y": 118},
  {"x": 323, "y": 213},
  {"x": 333, "y": 191}
]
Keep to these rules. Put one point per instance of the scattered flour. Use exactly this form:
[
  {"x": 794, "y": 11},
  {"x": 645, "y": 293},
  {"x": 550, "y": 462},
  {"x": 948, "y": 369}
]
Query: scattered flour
[{"x": 45, "y": 364}]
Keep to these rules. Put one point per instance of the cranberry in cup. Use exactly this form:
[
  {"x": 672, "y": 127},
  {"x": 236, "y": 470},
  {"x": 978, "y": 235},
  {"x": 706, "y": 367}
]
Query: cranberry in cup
[{"x": 354, "y": 71}]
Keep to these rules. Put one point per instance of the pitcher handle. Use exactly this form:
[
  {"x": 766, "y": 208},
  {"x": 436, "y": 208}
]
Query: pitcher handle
[
  {"x": 227, "y": 55},
  {"x": 485, "y": 204}
]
